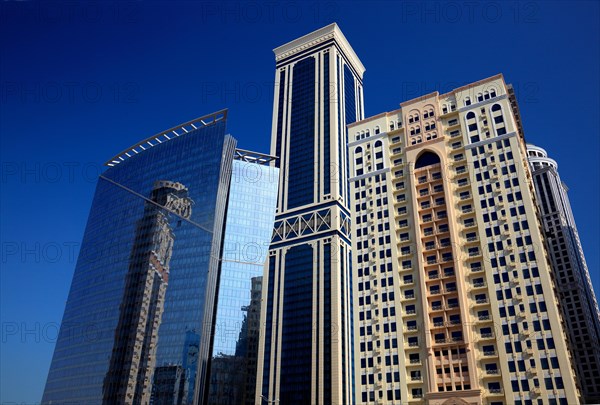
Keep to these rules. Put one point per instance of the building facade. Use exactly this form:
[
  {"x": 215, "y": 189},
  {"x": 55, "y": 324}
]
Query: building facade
[
  {"x": 151, "y": 281},
  {"x": 305, "y": 354},
  {"x": 248, "y": 229},
  {"x": 576, "y": 293},
  {"x": 453, "y": 296}
]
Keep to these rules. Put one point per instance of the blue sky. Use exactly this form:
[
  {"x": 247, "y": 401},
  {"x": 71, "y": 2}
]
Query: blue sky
[{"x": 81, "y": 82}]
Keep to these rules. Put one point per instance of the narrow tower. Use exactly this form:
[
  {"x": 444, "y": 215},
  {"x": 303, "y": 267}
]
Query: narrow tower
[
  {"x": 306, "y": 348},
  {"x": 575, "y": 291}
]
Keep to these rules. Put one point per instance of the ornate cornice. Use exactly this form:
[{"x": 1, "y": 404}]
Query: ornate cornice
[{"x": 314, "y": 39}]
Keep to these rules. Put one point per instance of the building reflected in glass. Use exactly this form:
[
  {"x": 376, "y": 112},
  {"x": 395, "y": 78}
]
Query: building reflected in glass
[
  {"x": 165, "y": 299},
  {"x": 249, "y": 225}
]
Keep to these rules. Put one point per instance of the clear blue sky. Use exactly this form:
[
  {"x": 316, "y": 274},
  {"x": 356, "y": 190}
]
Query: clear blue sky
[{"x": 81, "y": 82}]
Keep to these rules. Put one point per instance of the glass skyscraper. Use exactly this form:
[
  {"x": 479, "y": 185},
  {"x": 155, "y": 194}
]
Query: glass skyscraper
[
  {"x": 162, "y": 307},
  {"x": 305, "y": 356}
]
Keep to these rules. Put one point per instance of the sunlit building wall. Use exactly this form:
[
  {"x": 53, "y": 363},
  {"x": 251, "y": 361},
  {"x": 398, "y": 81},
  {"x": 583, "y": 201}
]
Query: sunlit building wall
[{"x": 453, "y": 295}]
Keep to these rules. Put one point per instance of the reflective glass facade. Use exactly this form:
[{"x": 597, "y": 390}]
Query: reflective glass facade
[
  {"x": 249, "y": 224},
  {"x": 139, "y": 320}
]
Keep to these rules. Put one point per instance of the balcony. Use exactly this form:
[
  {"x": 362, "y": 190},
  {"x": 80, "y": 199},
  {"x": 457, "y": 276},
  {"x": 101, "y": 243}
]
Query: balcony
[
  {"x": 490, "y": 353},
  {"x": 462, "y": 184},
  {"x": 481, "y": 301},
  {"x": 412, "y": 328},
  {"x": 415, "y": 361},
  {"x": 484, "y": 318},
  {"x": 487, "y": 336},
  {"x": 492, "y": 372},
  {"x": 411, "y": 311},
  {"x": 495, "y": 391}
]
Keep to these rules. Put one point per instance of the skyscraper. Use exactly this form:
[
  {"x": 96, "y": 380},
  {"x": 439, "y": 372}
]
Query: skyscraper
[
  {"x": 576, "y": 293},
  {"x": 305, "y": 352},
  {"x": 151, "y": 281},
  {"x": 454, "y": 298}
]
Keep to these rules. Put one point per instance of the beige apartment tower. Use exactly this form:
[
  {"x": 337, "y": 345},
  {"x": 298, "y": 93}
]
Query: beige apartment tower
[{"x": 453, "y": 297}]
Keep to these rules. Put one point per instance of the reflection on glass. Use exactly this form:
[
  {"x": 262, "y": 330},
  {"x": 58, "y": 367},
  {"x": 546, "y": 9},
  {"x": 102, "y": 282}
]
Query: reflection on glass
[
  {"x": 134, "y": 353},
  {"x": 250, "y": 214}
]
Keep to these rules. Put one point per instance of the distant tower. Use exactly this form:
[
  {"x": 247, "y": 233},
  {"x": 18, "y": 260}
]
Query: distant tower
[
  {"x": 306, "y": 350},
  {"x": 575, "y": 289}
]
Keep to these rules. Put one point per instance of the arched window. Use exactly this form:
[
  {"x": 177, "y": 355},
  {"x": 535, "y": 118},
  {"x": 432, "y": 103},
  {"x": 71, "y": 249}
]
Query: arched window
[
  {"x": 367, "y": 133},
  {"x": 357, "y": 150},
  {"x": 378, "y": 144},
  {"x": 467, "y": 100},
  {"x": 377, "y": 130},
  {"x": 479, "y": 97},
  {"x": 427, "y": 159},
  {"x": 496, "y": 107},
  {"x": 391, "y": 126},
  {"x": 493, "y": 93},
  {"x": 486, "y": 95},
  {"x": 470, "y": 115}
]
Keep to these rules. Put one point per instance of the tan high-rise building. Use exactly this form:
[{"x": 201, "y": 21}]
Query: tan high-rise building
[{"x": 453, "y": 297}]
